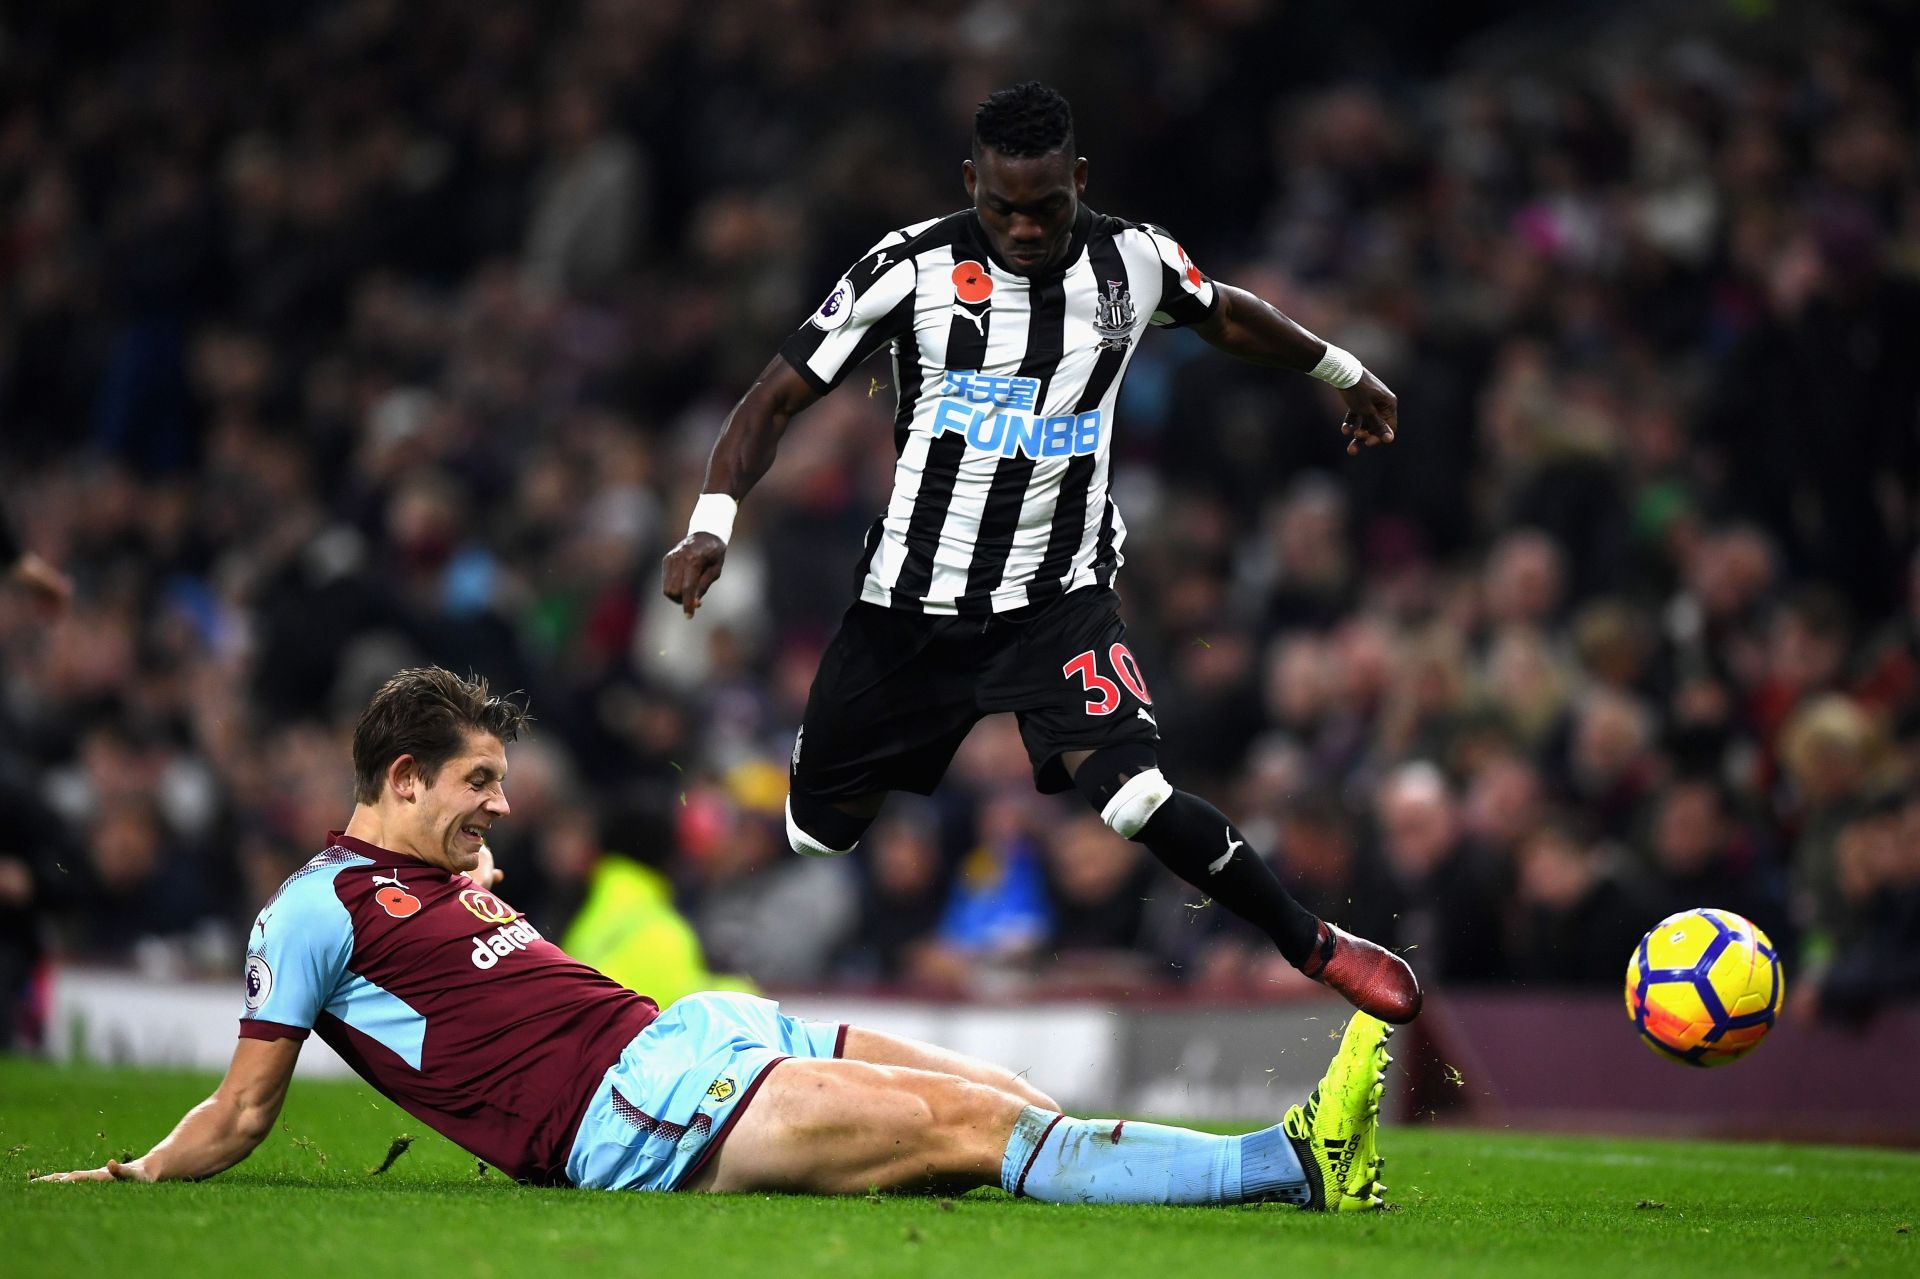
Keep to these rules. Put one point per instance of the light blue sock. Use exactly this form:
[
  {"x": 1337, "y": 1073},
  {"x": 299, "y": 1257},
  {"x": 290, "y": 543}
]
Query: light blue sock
[{"x": 1060, "y": 1160}]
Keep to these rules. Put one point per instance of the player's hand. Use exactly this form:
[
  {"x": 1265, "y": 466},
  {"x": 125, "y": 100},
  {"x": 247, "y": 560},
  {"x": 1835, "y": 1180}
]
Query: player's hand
[
  {"x": 484, "y": 872},
  {"x": 133, "y": 1170},
  {"x": 691, "y": 567},
  {"x": 43, "y": 581},
  {"x": 1372, "y": 413}
]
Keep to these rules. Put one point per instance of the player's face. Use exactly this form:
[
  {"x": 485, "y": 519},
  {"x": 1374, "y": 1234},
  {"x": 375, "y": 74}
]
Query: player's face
[
  {"x": 1027, "y": 205},
  {"x": 467, "y": 796}
]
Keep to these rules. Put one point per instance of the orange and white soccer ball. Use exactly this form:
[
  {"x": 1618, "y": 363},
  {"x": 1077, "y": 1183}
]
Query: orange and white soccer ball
[{"x": 1704, "y": 987}]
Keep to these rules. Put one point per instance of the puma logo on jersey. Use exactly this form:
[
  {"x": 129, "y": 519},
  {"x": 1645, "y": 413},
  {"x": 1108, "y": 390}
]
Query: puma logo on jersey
[
  {"x": 1141, "y": 711},
  {"x": 1219, "y": 863},
  {"x": 976, "y": 316},
  {"x": 489, "y": 950}
]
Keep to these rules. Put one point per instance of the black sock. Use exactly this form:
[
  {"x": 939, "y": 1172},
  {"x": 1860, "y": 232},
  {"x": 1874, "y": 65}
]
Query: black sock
[{"x": 1191, "y": 837}]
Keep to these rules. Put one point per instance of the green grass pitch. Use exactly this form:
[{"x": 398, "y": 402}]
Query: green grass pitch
[{"x": 1467, "y": 1203}]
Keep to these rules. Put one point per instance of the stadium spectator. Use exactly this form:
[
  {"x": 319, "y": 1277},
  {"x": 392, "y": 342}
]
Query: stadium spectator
[
  {"x": 1524, "y": 581},
  {"x": 1703, "y": 854},
  {"x": 34, "y": 890},
  {"x": 31, "y": 890},
  {"x": 1611, "y": 768},
  {"x": 589, "y": 200},
  {"x": 1528, "y": 688},
  {"x": 1504, "y": 802},
  {"x": 1100, "y": 892},
  {"x": 758, "y": 910},
  {"x": 903, "y": 896},
  {"x": 624, "y": 920},
  {"x": 1329, "y": 869},
  {"x": 140, "y": 889},
  {"x": 1446, "y": 890},
  {"x": 1837, "y": 760},
  {"x": 1429, "y": 708},
  {"x": 998, "y": 915},
  {"x": 1872, "y": 959},
  {"x": 1309, "y": 579},
  {"x": 1579, "y": 912}
]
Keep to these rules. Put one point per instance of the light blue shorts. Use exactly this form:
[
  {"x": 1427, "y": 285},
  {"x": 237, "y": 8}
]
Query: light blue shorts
[{"x": 666, "y": 1105}]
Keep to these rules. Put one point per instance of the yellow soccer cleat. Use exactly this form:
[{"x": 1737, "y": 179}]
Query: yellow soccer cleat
[{"x": 1336, "y": 1133}]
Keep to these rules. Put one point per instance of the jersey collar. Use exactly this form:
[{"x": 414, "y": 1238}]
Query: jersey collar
[{"x": 372, "y": 852}]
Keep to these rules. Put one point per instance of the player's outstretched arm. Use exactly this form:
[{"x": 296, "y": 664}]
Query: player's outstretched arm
[
  {"x": 220, "y": 1131},
  {"x": 740, "y": 457},
  {"x": 1255, "y": 330}
]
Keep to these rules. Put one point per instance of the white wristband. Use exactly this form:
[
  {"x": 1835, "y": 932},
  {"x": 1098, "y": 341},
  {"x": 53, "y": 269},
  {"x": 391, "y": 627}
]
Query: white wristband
[
  {"x": 713, "y": 513},
  {"x": 1338, "y": 368}
]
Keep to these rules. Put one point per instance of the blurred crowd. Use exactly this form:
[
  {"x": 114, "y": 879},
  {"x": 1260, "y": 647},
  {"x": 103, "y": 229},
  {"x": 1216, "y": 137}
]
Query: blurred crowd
[{"x": 336, "y": 337}]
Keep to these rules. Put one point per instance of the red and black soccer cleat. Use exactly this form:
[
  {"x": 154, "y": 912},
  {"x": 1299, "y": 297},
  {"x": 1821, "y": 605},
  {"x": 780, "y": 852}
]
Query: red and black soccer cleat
[{"x": 1371, "y": 978}]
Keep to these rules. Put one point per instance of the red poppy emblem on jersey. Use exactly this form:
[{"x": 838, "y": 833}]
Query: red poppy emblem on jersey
[
  {"x": 397, "y": 901},
  {"x": 971, "y": 283},
  {"x": 1193, "y": 272},
  {"x": 487, "y": 908}
]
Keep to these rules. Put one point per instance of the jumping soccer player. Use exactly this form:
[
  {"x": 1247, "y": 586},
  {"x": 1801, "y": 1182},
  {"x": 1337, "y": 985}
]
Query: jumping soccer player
[
  {"x": 447, "y": 1000},
  {"x": 987, "y": 585}
]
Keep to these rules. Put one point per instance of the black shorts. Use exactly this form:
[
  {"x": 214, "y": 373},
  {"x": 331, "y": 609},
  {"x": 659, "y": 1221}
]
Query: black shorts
[{"x": 897, "y": 693}]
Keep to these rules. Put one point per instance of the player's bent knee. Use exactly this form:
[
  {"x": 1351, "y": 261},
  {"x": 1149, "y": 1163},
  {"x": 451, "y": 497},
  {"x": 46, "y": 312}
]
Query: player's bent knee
[
  {"x": 1135, "y": 803},
  {"x": 1124, "y": 785},
  {"x": 816, "y": 828}
]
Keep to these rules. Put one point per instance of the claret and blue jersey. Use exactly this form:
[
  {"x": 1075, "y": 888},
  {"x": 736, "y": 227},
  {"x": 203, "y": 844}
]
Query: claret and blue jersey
[{"x": 442, "y": 996}]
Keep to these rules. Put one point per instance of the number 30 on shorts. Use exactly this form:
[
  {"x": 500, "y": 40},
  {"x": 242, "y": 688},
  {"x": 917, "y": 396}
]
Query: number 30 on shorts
[{"x": 1103, "y": 695}]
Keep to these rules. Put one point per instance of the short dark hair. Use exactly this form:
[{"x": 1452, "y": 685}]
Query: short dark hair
[
  {"x": 1027, "y": 119},
  {"x": 426, "y": 712}
]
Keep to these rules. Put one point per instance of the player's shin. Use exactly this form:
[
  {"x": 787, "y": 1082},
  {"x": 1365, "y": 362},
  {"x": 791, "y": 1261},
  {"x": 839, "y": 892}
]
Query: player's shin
[
  {"x": 1195, "y": 841},
  {"x": 1059, "y": 1159}
]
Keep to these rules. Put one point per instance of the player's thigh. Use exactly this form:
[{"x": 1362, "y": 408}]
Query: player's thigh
[
  {"x": 886, "y": 712},
  {"x": 846, "y": 1127},
  {"x": 883, "y": 1049},
  {"x": 1075, "y": 685}
]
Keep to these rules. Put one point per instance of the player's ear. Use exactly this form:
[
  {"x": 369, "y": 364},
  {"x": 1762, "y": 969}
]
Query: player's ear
[
  {"x": 1080, "y": 176},
  {"x": 403, "y": 777},
  {"x": 968, "y": 177}
]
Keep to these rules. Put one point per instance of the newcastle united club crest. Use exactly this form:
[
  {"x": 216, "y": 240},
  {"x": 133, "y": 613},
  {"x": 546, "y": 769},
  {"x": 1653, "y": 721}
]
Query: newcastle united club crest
[{"x": 1113, "y": 317}]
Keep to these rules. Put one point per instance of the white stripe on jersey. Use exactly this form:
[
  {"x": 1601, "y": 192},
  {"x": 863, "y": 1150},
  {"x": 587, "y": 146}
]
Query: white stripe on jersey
[{"x": 891, "y": 556}]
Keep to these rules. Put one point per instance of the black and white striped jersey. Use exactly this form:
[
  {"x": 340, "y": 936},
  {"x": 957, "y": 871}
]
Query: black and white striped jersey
[{"x": 1006, "y": 389}]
